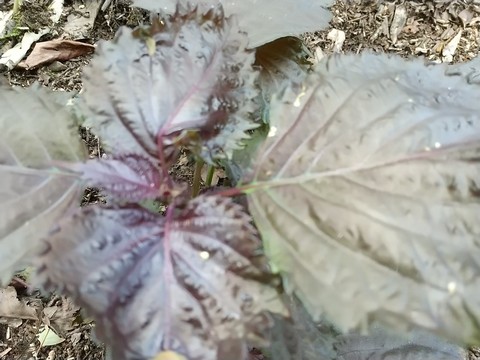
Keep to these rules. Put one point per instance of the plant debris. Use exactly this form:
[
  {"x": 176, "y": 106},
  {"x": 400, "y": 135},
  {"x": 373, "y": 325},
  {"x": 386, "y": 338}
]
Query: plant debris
[{"x": 441, "y": 31}]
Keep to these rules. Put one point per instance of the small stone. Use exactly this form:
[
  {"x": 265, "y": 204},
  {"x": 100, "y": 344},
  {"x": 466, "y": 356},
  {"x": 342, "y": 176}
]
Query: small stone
[{"x": 57, "y": 66}]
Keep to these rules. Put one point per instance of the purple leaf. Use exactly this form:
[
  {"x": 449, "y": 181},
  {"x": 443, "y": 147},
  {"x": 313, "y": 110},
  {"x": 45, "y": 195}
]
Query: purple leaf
[
  {"x": 263, "y": 20},
  {"x": 187, "y": 80},
  {"x": 370, "y": 197},
  {"x": 193, "y": 282},
  {"x": 130, "y": 177},
  {"x": 36, "y": 131}
]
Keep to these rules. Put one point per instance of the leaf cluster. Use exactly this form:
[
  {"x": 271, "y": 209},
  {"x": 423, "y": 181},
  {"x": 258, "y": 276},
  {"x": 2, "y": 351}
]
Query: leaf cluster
[{"x": 361, "y": 176}]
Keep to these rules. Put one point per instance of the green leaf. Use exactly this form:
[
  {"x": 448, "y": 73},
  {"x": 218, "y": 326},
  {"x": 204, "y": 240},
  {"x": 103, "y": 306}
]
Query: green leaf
[
  {"x": 239, "y": 167},
  {"x": 368, "y": 195}
]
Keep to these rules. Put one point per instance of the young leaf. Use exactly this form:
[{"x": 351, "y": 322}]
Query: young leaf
[
  {"x": 192, "y": 282},
  {"x": 239, "y": 167},
  {"x": 264, "y": 21},
  {"x": 187, "y": 79},
  {"x": 281, "y": 62},
  {"x": 35, "y": 132},
  {"x": 368, "y": 194},
  {"x": 129, "y": 177}
]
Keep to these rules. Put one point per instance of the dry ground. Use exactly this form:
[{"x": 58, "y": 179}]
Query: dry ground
[{"x": 437, "y": 30}]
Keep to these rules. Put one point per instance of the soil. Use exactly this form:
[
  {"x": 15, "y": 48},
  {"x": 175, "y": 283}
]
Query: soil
[{"x": 429, "y": 29}]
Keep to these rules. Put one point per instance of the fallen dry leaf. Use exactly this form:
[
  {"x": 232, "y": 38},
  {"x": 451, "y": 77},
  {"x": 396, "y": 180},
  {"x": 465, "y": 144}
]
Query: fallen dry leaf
[
  {"x": 466, "y": 15},
  {"x": 398, "y": 22},
  {"x": 338, "y": 38},
  {"x": 12, "y": 57},
  {"x": 61, "y": 318},
  {"x": 5, "y": 352},
  {"x": 449, "y": 50},
  {"x": 13, "y": 309},
  {"x": 48, "y": 337},
  {"x": 55, "y": 50}
]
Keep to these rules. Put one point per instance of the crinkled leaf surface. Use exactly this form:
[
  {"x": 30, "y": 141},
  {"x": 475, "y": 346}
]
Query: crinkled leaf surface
[
  {"x": 35, "y": 130},
  {"x": 194, "y": 284},
  {"x": 383, "y": 345},
  {"x": 370, "y": 197},
  {"x": 130, "y": 177},
  {"x": 190, "y": 72},
  {"x": 263, "y": 20}
]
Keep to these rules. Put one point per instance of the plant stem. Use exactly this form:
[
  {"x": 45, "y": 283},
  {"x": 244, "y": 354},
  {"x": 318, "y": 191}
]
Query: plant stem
[
  {"x": 197, "y": 177},
  {"x": 236, "y": 191},
  {"x": 211, "y": 171},
  {"x": 16, "y": 6}
]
